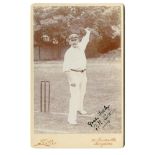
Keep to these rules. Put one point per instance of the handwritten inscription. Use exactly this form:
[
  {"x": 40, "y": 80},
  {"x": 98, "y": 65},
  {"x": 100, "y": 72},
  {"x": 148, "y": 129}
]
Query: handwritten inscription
[{"x": 102, "y": 118}]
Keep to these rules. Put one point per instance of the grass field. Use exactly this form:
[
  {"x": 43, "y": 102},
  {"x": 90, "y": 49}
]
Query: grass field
[{"x": 103, "y": 88}]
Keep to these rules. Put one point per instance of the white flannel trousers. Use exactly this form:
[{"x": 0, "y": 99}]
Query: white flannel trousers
[{"x": 77, "y": 84}]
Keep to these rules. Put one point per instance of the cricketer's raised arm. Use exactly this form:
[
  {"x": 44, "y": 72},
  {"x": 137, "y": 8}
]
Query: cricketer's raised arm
[{"x": 85, "y": 39}]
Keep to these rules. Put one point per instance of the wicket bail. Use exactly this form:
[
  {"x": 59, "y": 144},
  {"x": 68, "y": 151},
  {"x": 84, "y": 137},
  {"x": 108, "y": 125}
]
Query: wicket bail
[{"x": 45, "y": 96}]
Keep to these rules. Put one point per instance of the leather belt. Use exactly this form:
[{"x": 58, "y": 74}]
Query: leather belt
[{"x": 78, "y": 70}]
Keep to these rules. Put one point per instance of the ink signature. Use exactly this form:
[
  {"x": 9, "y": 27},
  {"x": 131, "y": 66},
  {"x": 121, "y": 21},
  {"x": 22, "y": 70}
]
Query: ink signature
[{"x": 102, "y": 119}]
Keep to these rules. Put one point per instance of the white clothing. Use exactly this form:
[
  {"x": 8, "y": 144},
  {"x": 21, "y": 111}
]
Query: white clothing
[
  {"x": 75, "y": 58},
  {"x": 77, "y": 84}
]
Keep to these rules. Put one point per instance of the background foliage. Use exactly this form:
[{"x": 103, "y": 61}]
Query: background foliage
[{"x": 53, "y": 25}]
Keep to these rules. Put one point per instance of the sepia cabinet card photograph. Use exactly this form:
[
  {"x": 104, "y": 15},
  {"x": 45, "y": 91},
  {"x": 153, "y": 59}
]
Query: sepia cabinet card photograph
[{"x": 77, "y": 75}]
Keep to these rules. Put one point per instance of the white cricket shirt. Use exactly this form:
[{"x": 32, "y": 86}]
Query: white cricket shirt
[{"x": 75, "y": 58}]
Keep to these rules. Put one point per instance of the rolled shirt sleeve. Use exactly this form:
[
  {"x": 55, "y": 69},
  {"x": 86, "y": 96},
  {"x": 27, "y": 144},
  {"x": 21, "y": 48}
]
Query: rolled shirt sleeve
[{"x": 85, "y": 41}]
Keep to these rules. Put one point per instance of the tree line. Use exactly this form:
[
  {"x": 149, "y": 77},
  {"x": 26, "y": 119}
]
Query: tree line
[{"x": 53, "y": 25}]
